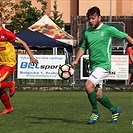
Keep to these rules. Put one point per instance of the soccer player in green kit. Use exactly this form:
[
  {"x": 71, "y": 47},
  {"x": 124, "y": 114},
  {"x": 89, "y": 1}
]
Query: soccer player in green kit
[{"x": 97, "y": 40}]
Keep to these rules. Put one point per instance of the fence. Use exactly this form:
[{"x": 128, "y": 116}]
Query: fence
[
  {"x": 77, "y": 21},
  {"x": 75, "y": 81},
  {"x": 78, "y": 26},
  {"x": 41, "y": 82}
]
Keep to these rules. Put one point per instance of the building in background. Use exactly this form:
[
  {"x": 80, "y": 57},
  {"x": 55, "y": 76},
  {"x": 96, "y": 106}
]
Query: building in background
[{"x": 79, "y": 7}]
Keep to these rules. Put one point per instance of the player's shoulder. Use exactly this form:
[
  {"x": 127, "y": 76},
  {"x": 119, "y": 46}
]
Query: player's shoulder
[
  {"x": 108, "y": 26},
  {"x": 6, "y": 30},
  {"x": 88, "y": 30}
]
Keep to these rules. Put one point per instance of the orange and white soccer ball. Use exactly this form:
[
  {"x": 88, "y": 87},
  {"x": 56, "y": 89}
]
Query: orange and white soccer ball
[{"x": 65, "y": 71}]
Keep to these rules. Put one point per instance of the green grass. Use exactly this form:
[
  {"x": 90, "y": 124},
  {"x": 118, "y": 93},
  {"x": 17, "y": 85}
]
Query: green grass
[{"x": 64, "y": 112}]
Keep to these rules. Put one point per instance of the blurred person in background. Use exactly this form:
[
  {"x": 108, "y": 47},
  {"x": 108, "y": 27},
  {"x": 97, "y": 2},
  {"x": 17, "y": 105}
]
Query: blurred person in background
[{"x": 129, "y": 52}]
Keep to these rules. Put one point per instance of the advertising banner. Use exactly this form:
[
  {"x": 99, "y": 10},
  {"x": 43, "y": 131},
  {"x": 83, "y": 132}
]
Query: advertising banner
[
  {"x": 119, "y": 67},
  {"x": 47, "y": 67}
]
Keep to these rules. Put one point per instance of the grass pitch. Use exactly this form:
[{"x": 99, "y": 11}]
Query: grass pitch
[{"x": 64, "y": 112}]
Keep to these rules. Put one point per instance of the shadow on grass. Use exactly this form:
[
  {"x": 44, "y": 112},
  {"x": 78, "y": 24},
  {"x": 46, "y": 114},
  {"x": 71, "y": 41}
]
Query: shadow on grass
[
  {"x": 44, "y": 120},
  {"x": 39, "y": 120}
]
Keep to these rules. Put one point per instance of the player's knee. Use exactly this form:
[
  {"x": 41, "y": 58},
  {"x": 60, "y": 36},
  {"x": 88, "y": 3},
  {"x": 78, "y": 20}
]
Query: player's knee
[
  {"x": 99, "y": 97},
  {"x": 2, "y": 92},
  {"x": 89, "y": 86},
  {"x": 99, "y": 94}
]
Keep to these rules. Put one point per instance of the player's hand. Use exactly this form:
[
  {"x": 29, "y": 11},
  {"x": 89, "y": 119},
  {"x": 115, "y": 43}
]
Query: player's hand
[
  {"x": 33, "y": 61},
  {"x": 74, "y": 63}
]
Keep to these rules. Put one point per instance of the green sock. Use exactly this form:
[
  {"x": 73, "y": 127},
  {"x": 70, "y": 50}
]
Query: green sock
[
  {"x": 106, "y": 103},
  {"x": 93, "y": 100}
]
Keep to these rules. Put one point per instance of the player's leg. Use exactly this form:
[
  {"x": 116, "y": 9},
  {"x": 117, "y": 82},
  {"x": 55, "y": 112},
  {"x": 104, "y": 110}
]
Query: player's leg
[
  {"x": 5, "y": 72},
  {"x": 104, "y": 100},
  {"x": 89, "y": 87},
  {"x": 8, "y": 84},
  {"x": 129, "y": 74},
  {"x": 129, "y": 79},
  {"x": 6, "y": 102},
  {"x": 96, "y": 76}
]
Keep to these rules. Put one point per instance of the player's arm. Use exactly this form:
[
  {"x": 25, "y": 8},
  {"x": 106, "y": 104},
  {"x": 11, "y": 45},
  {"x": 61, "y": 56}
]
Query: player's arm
[
  {"x": 79, "y": 54},
  {"x": 114, "y": 32},
  {"x": 81, "y": 51},
  {"x": 130, "y": 39},
  {"x": 32, "y": 59}
]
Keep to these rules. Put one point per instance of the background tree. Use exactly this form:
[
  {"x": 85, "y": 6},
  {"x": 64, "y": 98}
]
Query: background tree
[
  {"x": 26, "y": 14},
  {"x": 44, "y": 6},
  {"x": 6, "y": 9},
  {"x": 57, "y": 16},
  {"x": 23, "y": 15}
]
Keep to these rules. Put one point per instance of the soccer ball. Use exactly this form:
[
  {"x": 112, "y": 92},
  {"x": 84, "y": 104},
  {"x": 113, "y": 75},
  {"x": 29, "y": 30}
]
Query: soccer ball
[{"x": 65, "y": 71}]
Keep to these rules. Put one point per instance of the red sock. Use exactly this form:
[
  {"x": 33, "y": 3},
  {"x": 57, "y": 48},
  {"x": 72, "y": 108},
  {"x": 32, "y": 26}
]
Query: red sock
[
  {"x": 5, "y": 85},
  {"x": 5, "y": 100}
]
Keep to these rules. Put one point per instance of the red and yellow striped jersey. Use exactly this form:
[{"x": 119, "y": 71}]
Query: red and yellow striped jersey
[{"x": 7, "y": 51}]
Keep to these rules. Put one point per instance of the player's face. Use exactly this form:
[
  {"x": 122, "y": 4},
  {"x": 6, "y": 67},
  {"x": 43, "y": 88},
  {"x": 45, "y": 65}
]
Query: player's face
[{"x": 94, "y": 20}]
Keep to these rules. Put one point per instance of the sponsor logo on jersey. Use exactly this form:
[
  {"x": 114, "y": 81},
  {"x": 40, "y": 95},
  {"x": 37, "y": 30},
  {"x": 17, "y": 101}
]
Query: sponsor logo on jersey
[
  {"x": 2, "y": 37},
  {"x": 102, "y": 33},
  {"x": 2, "y": 48}
]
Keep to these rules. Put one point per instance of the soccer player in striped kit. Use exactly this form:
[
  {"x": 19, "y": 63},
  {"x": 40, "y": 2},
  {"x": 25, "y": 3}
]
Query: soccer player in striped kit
[
  {"x": 98, "y": 41},
  {"x": 8, "y": 64}
]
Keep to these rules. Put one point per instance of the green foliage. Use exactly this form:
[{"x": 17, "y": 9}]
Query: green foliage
[
  {"x": 44, "y": 6},
  {"x": 25, "y": 15},
  {"x": 6, "y": 9},
  {"x": 57, "y": 16}
]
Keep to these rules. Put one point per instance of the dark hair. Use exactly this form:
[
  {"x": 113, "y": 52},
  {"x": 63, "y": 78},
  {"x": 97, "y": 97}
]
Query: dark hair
[{"x": 92, "y": 11}]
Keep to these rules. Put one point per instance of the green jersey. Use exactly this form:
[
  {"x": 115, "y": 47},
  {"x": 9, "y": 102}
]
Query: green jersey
[{"x": 99, "y": 43}]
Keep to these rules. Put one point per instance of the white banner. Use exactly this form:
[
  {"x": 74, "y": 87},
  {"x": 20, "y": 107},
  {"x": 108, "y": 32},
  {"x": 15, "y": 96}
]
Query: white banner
[
  {"x": 119, "y": 67},
  {"x": 47, "y": 67}
]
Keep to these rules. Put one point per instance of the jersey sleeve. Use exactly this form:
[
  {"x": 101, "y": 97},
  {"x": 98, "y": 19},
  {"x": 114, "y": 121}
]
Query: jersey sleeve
[
  {"x": 84, "y": 45},
  {"x": 10, "y": 35},
  {"x": 114, "y": 32}
]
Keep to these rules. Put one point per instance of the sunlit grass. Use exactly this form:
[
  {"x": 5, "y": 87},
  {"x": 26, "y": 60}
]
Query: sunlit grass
[{"x": 64, "y": 112}]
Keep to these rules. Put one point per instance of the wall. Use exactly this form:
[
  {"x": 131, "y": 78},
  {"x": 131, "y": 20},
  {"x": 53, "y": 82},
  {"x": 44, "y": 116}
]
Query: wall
[{"x": 79, "y": 7}]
